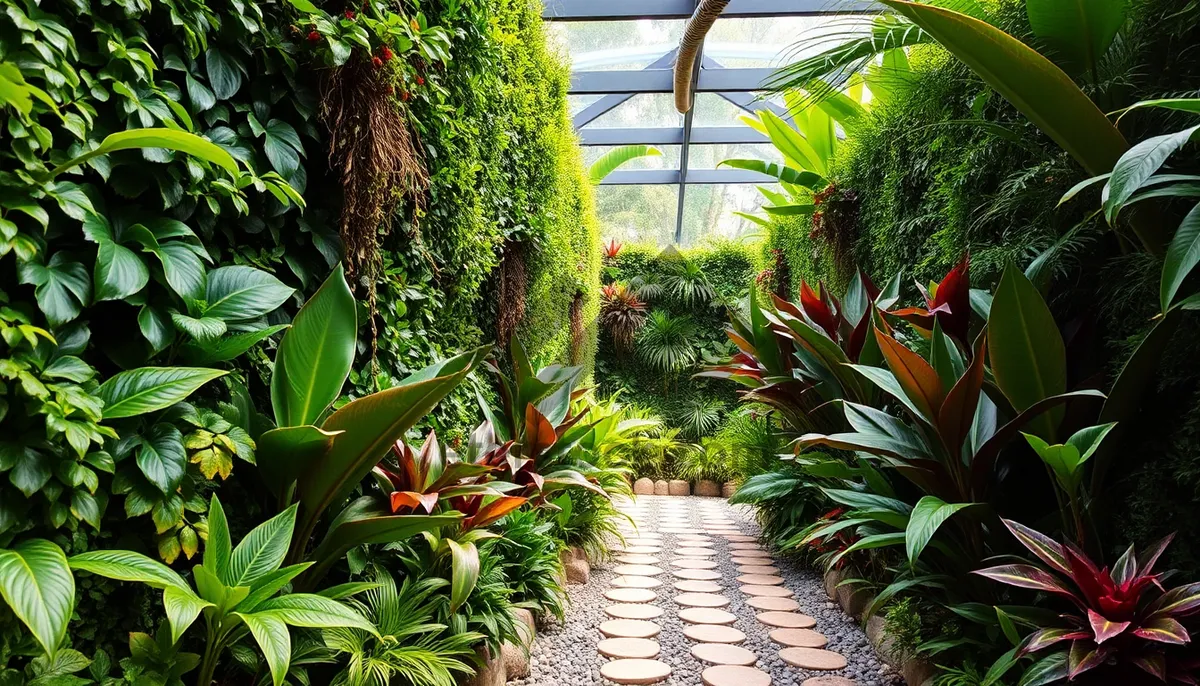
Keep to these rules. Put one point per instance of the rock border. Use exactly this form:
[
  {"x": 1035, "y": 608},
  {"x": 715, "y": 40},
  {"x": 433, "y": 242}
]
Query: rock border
[{"x": 854, "y": 602}]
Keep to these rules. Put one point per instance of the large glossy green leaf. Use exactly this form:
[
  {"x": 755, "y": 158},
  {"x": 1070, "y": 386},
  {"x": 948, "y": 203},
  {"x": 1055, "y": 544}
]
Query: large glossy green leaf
[
  {"x": 161, "y": 457},
  {"x": 464, "y": 571},
  {"x": 315, "y": 356},
  {"x": 226, "y": 348},
  {"x": 119, "y": 272},
  {"x": 371, "y": 425},
  {"x": 927, "y": 517},
  {"x": 262, "y": 550},
  {"x": 267, "y": 586},
  {"x": 611, "y": 160},
  {"x": 271, "y": 634},
  {"x": 284, "y": 454},
  {"x": 807, "y": 179},
  {"x": 239, "y": 292},
  {"x": 182, "y": 608},
  {"x": 169, "y": 139},
  {"x": 1032, "y": 83},
  {"x": 1026, "y": 349},
  {"x": 38, "y": 587},
  {"x": 126, "y": 565},
  {"x": 366, "y": 521},
  {"x": 795, "y": 148},
  {"x": 149, "y": 389},
  {"x": 1137, "y": 165},
  {"x": 219, "y": 546},
  {"x": 314, "y": 612},
  {"x": 1077, "y": 32}
]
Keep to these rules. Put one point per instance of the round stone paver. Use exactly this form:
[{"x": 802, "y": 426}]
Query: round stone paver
[
  {"x": 653, "y": 541},
  {"x": 628, "y": 648},
  {"x": 713, "y": 633},
  {"x": 829, "y": 681},
  {"x": 637, "y": 559},
  {"x": 760, "y": 580},
  {"x": 812, "y": 658},
  {"x": 641, "y": 595},
  {"x": 770, "y": 604},
  {"x": 744, "y": 546},
  {"x": 758, "y": 569},
  {"x": 636, "y": 671},
  {"x": 637, "y": 570},
  {"x": 643, "y": 550},
  {"x": 636, "y": 582},
  {"x": 799, "y": 638},
  {"x": 783, "y": 620},
  {"x": 698, "y": 586},
  {"x": 697, "y": 574},
  {"x": 695, "y": 552},
  {"x": 740, "y": 537},
  {"x": 692, "y": 563},
  {"x": 751, "y": 561},
  {"x": 701, "y": 600},
  {"x": 730, "y": 675},
  {"x": 723, "y": 654},
  {"x": 750, "y": 553},
  {"x": 629, "y": 628},
  {"x": 767, "y": 591},
  {"x": 633, "y": 611},
  {"x": 707, "y": 615},
  {"x": 694, "y": 537}
]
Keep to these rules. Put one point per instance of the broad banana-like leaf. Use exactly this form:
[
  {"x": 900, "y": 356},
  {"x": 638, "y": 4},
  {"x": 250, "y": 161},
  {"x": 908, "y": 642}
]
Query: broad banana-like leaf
[
  {"x": 795, "y": 148},
  {"x": 370, "y": 426},
  {"x": 613, "y": 159},
  {"x": 790, "y": 210},
  {"x": 805, "y": 178},
  {"x": 365, "y": 521},
  {"x": 1077, "y": 32},
  {"x": 927, "y": 517},
  {"x": 315, "y": 355},
  {"x": 285, "y": 453},
  {"x": 1032, "y": 83},
  {"x": 180, "y": 141},
  {"x": 464, "y": 571}
]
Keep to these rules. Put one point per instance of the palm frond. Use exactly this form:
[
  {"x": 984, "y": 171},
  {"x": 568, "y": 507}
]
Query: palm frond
[{"x": 667, "y": 342}]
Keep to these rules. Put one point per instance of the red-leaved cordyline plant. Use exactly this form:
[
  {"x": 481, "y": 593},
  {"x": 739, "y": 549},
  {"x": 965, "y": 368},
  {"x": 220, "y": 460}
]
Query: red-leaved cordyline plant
[
  {"x": 949, "y": 302},
  {"x": 1121, "y": 617},
  {"x": 622, "y": 314},
  {"x": 612, "y": 248},
  {"x": 426, "y": 478}
]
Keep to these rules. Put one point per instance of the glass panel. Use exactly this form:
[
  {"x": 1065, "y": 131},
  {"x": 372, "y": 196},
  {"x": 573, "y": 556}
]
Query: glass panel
[
  {"x": 579, "y": 102},
  {"x": 774, "y": 41},
  {"x": 644, "y": 110},
  {"x": 668, "y": 160},
  {"x": 633, "y": 214},
  {"x": 708, "y": 211},
  {"x": 608, "y": 45},
  {"x": 713, "y": 110},
  {"x": 710, "y": 155}
]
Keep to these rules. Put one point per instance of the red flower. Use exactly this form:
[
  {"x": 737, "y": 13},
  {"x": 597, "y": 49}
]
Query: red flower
[
  {"x": 386, "y": 52},
  {"x": 404, "y": 95},
  {"x": 420, "y": 81},
  {"x": 350, "y": 15},
  {"x": 314, "y": 37},
  {"x": 377, "y": 62}
]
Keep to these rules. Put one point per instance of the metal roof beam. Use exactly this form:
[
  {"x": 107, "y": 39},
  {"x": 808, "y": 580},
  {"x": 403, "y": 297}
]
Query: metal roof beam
[
  {"x": 695, "y": 177},
  {"x": 670, "y": 136},
  {"x": 711, "y": 80},
  {"x": 609, "y": 10}
]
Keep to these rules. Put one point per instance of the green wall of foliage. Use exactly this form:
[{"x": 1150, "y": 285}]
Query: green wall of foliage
[
  {"x": 493, "y": 126},
  {"x": 958, "y": 169},
  {"x": 730, "y": 267}
]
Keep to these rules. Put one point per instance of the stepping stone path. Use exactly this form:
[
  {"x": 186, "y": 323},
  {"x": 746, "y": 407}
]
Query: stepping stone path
[{"x": 694, "y": 597}]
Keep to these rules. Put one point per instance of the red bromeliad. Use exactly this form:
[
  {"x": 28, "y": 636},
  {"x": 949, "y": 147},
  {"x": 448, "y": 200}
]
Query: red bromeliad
[
  {"x": 949, "y": 302},
  {"x": 612, "y": 248},
  {"x": 1122, "y": 617}
]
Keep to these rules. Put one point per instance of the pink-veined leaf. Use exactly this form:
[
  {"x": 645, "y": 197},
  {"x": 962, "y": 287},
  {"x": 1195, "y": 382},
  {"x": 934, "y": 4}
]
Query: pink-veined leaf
[
  {"x": 1163, "y": 630},
  {"x": 1103, "y": 628},
  {"x": 1045, "y": 548},
  {"x": 1027, "y": 576}
]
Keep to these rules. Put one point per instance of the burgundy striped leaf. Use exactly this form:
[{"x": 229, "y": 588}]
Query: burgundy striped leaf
[
  {"x": 1045, "y": 548},
  {"x": 1027, "y": 576},
  {"x": 1164, "y": 630},
  {"x": 1104, "y": 628},
  {"x": 1084, "y": 656}
]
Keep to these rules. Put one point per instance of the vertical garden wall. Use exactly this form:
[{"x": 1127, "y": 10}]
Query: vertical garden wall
[{"x": 176, "y": 181}]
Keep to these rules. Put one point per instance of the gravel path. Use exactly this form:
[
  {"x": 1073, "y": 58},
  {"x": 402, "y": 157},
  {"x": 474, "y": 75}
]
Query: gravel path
[{"x": 565, "y": 655}]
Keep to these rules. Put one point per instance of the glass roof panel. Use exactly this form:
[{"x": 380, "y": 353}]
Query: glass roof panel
[
  {"x": 740, "y": 42},
  {"x": 645, "y": 110},
  {"x": 579, "y": 102},
  {"x": 637, "y": 213},
  {"x": 708, "y": 211},
  {"x": 668, "y": 160},
  {"x": 711, "y": 109},
  {"x": 609, "y": 45}
]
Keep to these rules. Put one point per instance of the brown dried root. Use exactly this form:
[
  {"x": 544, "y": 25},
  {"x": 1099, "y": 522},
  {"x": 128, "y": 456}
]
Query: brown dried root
[
  {"x": 373, "y": 148},
  {"x": 513, "y": 284}
]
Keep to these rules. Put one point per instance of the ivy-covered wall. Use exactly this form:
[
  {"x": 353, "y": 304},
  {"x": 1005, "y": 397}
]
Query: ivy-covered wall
[{"x": 957, "y": 169}]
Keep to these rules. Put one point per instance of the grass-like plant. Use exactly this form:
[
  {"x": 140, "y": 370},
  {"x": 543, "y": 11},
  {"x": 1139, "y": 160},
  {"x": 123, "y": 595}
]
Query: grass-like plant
[{"x": 667, "y": 342}]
